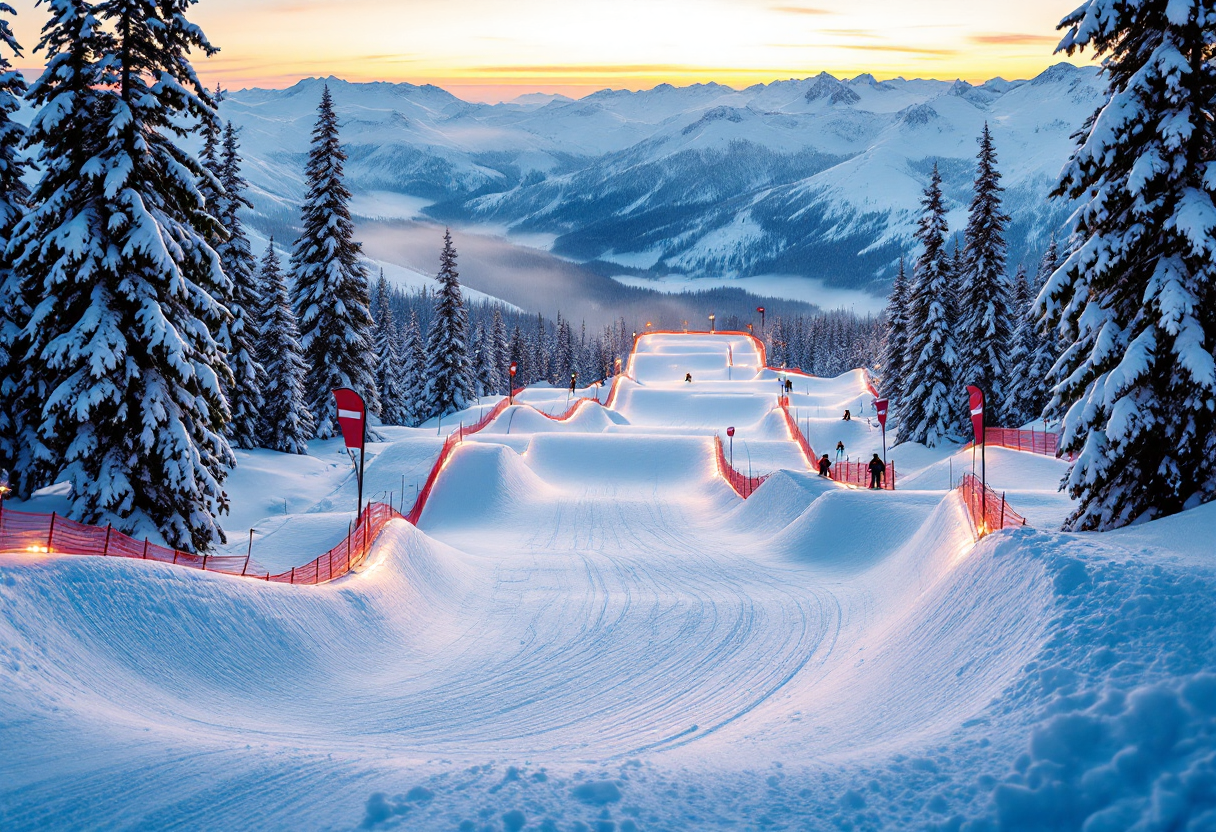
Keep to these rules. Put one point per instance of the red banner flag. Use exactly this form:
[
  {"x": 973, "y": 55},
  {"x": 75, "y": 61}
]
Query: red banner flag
[
  {"x": 880, "y": 407},
  {"x": 352, "y": 417},
  {"x": 977, "y": 412}
]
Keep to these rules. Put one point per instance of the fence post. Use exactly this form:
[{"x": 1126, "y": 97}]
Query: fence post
[
  {"x": 175, "y": 556},
  {"x": 50, "y": 535},
  {"x": 145, "y": 548},
  {"x": 106, "y": 549},
  {"x": 1002, "y": 510},
  {"x": 293, "y": 575}
]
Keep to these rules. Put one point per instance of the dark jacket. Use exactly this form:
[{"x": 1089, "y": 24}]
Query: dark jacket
[{"x": 877, "y": 466}]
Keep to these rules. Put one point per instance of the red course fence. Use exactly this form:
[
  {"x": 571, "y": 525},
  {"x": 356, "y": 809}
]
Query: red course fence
[
  {"x": 1031, "y": 441},
  {"x": 52, "y": 534},
  {"x": 989, "y": 511},
  {"x": 743, "y": 484}
]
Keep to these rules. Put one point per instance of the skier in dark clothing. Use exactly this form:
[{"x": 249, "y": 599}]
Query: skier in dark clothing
[
  {"x": 688, "y": 377},
  {"x": 848, "y": 417},
  {"x": 825, "y": 466},
  {"x": 878, "y": 470},
  {"x": 840, "y": 450},
  {"x": 573, "y": 380},
  {"x": 789, "y": 386}
]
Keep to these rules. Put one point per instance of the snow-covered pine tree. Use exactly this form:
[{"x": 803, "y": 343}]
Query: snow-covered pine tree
[
  {"x": 895, "y": 346},
  {"x": 286, "y": 424},
  {"x": 14, "y": 293},
  {"x": 983, "y": 331},
  {"x": 389, "y": 370},
  {"x": 926, "y": 410},
  {"x": 330, "y": 295},
  {"x": 116, "y": 246},
  {"x": 449, "y": 383},
  {"x": 1138, "y": 383},
  {"x": 481, "y": 360},
  {"x": 413, "y": 379},
  {"x": 1018, "y": 409},
  {"x": 1047, "y": 341},
  {"x": 502, "y": 352},
  {"x": 248, "y": 375}
]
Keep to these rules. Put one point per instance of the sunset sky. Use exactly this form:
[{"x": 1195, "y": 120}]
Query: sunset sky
[{"x": 492, "y": 50}]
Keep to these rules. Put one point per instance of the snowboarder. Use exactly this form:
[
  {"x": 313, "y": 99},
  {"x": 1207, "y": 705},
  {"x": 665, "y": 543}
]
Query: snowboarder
[
  {"x": 878, "y": 471},
  {"x": 840, "y": 450},
  {"x": 848, "y": 417},
  {"x": 825, "y": 466},
  {"x": 688, "y": 377}
]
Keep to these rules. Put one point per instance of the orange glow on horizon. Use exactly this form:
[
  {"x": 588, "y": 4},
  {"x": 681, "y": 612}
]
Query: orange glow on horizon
[{"x": 487, "y": 50}]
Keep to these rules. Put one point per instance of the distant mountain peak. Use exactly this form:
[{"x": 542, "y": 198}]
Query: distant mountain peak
[
  {"x": 833, "y": 89},
  {"x": 918, "y": 115}
]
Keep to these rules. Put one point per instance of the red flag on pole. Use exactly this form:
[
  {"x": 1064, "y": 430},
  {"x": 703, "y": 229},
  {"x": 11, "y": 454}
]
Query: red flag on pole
[
  {"x": 352, "y": 417},
  {"x": 977, "y": 412},
  {"x": 880, "y": 407},
  {"x": 730, "y": 431}
]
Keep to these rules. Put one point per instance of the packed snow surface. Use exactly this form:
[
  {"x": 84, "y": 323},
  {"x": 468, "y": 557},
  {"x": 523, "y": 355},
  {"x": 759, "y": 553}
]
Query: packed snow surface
[{"x": 589, "y": 630}]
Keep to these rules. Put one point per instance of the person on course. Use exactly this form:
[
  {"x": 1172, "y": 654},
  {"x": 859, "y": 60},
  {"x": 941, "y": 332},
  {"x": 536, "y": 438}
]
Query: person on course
[
  {"x": 878, "y": 470},
  {"x": 688, "y": 377},
  {"x": 825, "y": 466},
  {"x": 573, "y": 379},
  {"x": 848, "y": 417},
  {"x": 789, "y": 386},
  {"x": 840, "y": 450}
]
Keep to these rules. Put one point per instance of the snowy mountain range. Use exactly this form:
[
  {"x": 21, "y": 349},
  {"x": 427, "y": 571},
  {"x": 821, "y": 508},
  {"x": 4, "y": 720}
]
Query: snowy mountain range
[{"x": 819, "y": 177}]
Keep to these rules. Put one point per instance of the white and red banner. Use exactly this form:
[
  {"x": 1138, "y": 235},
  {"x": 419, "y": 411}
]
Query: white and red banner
[
  {"x": 880, "y": 407},
  {"x": 352, "y": 417},
  {"x": 977, "y": 412}
]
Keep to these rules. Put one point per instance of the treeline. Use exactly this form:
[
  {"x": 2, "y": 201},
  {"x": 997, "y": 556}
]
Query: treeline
[{"x": 960, "y": 319}]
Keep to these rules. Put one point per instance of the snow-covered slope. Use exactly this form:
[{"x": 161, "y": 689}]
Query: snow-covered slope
[
  {"x": 589, "y": 630},
  {"x": 820, "y": 177}
]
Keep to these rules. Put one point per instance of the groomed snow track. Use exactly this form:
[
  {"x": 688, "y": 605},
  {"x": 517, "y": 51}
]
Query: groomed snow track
[{"x": 582, "y": 591}]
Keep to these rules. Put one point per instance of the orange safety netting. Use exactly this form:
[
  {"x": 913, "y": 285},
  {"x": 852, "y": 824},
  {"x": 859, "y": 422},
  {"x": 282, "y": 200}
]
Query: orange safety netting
[{"x": 989, "y": 511}]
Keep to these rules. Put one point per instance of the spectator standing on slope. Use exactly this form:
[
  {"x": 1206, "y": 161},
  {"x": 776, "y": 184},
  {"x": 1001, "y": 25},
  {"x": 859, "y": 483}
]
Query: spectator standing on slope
[
  {"x": 825, "y": 466},
  {"x": 878, "y": 470},
  {"x": 848, "y": 417}
]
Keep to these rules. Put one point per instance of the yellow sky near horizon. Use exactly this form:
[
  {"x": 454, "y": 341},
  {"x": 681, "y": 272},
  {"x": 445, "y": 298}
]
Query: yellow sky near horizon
[{"x": 492, "y": 50}]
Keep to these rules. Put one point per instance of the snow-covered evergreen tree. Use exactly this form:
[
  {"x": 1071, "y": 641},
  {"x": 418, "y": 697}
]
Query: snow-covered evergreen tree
[
  {"x": 895, "y": 346},
  {"x": 330, "y": 295},
  {"x": 1047, "y": 341},
  {"x": 413, "y": 380},
  {"x": 1018, "y": 407},
  {"x": 449, "y": 382},
  {"x": 926, "y": 410},
  {"x": 239, "y": 338},
  {"x": 286, "y": 424},
  {"x": 984, "y": 330},
  {"x": 116, "y": 247},
  {"x": 14, "y": 292},
  {"x": 390, "y": 382},
  {"x": 1138, "y": 383},
  {"x": 497, "y": 383}
]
